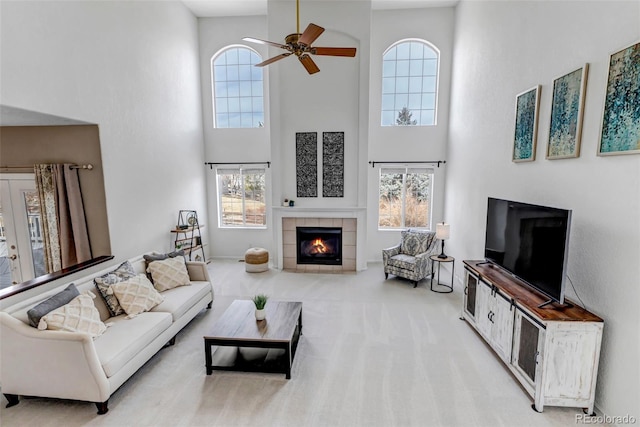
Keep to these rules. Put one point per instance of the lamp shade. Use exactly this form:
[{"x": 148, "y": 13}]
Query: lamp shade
[{"x": 442, "y": 231}]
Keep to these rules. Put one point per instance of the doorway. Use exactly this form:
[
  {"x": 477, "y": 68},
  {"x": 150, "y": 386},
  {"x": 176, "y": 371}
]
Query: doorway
[{"x": 21, "y": 245}]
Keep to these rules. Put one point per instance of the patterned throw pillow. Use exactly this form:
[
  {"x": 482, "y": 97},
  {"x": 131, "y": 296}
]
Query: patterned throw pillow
[
  {"x": 136, "y": 295},
  {"x": 80, "y": 315},
  {"x": 414, "y": 242},
  {"x": 123, "y": 272},
  {"x": 149, "y": 258},
  {"x": 50, "y": 304},
  {"x": 169, "y": 273}
]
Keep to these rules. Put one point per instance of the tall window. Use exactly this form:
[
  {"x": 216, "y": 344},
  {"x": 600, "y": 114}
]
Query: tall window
[
  {"x": 409, "y": 84},
  {"x": 405, "y": 198},
  {"x": 241, "y": 197},
  {"x": 237, "y": 89}
]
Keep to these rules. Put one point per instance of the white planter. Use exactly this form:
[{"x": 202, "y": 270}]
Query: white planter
[
  {"x": 285, "y": 204},
  {"x": 260, "y": 314}
]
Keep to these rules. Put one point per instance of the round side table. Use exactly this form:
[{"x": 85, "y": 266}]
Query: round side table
[{"x": 435, "y": 259}]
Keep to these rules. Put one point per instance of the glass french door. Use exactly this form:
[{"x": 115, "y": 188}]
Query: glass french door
[{"x": 21, "y": 246}]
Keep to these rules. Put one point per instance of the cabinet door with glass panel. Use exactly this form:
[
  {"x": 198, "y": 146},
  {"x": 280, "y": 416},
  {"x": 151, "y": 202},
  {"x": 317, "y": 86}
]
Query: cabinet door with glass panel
[{"x": 470, "y": 290}]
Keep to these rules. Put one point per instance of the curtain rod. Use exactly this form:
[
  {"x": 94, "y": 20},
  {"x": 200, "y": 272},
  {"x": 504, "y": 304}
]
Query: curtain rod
[
  {"x": 373, "y": 164},
  {"x": 87, "y": 167},
  {"x": 237, "y": 163}
]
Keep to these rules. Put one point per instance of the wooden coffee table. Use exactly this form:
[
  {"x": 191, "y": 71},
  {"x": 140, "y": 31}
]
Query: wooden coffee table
[{"x": 237, "y": 330}]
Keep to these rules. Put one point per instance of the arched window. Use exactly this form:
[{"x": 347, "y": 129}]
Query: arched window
[
  {"x": 238, "y": 100},
  {"x": 410, "y": 84}
]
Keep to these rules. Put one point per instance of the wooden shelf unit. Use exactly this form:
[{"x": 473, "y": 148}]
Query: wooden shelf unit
[
  {"x": 553, "y": 351},
  {"x": 189, "y": 238}
]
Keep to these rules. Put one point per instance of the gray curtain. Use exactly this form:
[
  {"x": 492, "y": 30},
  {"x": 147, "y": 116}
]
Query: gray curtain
[{"x": 65, "y": 234}]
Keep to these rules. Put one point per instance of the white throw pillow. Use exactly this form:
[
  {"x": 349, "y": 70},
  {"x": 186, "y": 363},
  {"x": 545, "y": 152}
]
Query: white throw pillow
[
  {"x": 136, "y": 295},
  {"x": 79, "y": 315},
  {"x": 169, "y": 273}
]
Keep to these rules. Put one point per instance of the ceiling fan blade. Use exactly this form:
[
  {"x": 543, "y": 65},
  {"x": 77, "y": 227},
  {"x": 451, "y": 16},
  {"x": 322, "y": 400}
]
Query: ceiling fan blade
[
  {"x": 311, "y": 33},
  {"x": 334, "y": 51},
  {"x": 253, "y": 40},
  {"x": 308, "y": 63},
  {"x": 274, "y": 59}
]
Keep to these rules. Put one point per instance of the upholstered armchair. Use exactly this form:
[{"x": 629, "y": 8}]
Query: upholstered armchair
[{"x": 410, "y": 259}]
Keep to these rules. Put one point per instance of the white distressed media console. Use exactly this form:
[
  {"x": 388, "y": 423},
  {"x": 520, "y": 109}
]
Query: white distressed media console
[{"x": 553, "y": 351}]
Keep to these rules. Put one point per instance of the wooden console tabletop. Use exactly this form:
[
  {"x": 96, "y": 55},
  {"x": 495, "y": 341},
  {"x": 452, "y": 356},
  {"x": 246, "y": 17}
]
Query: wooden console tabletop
[{"x": 529, "y": 298}]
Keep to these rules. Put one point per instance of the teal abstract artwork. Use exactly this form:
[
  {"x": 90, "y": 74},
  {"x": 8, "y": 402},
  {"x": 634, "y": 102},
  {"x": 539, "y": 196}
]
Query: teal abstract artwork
[
  {"x": 621, "y": 119},
  {"x": 524, "y": 144},
  {"x": 566, "y": 115}
]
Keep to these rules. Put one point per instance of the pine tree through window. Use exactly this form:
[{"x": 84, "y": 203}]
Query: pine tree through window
[{"x": 410, "y": 84}]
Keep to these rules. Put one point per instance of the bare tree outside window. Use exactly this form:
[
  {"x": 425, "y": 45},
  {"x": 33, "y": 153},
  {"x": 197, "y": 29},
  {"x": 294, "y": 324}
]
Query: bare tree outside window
[
  {"x": 241, "y": 198},
  {"x": 405, "y": 198}
]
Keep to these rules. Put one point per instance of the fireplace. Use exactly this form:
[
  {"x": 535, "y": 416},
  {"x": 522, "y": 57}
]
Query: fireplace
[{"x": 319, "y": 245}]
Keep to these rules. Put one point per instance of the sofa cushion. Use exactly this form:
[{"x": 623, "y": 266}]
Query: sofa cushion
[
  {"x": 79, "y": 315},
  {"x": 178, "y": 301},
  {"x": 128, "y": 337},
  {"x": 50, "y": 304},
  {"x": 414, "y": 242},
  {"x": 405, "y": 262},
  {"x": 136, "y": 295},
  {"x": 123, "y": 272},
  {"x": 169, "y": 273}
]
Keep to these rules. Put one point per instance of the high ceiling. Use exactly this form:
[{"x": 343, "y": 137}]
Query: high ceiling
[{"x": 212, "y": 8}]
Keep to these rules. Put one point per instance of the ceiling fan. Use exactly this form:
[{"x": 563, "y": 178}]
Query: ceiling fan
[{"x": 299, "y": 44}]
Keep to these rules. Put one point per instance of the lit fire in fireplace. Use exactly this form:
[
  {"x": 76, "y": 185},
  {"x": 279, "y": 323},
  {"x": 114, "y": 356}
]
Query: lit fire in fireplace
[{"x": 318, "y": 247}]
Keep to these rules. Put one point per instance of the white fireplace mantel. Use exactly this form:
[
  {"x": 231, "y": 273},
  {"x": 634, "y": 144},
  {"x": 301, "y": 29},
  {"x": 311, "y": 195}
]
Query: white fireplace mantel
[{"x": 358, "y": 213}]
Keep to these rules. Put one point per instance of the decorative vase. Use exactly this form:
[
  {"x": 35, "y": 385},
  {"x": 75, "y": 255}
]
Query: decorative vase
[{"x": 260, "y": 314}]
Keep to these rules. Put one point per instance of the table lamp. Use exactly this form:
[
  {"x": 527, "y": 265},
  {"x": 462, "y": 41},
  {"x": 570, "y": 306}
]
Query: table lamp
[{"x": 442, "y": 233}]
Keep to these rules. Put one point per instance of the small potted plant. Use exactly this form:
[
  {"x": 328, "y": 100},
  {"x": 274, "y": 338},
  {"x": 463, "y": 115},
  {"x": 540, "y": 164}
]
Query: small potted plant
[
  {"x": 260, "y": 301},
  {"x": 286, "y": 202}
]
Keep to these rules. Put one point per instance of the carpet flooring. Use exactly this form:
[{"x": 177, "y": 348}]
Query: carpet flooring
[{"x": 373, "y": 352}]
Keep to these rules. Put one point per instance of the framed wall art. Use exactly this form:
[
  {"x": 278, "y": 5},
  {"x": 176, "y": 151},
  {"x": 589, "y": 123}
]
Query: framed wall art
[
  {"x": 621, "y": 116},
  {"x": 307, "y": 164},
  {"x": 526, "y": 127},
  {"x": 333, "y": 164},
  {"x": 567, "y": 106}
]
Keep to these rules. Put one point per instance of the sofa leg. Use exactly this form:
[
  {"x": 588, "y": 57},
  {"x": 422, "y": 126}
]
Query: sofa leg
[
  {"x": 13, "y": 400},
  {"x": 209, "y": 306},
  {"x": 415, "y": 284},
  {"x": 171, "y": 342},
  {"x": 103, "y": 407},
  {"x": 386, "y": 276}
]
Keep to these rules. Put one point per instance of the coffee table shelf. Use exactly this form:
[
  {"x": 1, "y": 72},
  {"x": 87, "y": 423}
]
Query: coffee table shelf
[{"x": 246, "y": 344}]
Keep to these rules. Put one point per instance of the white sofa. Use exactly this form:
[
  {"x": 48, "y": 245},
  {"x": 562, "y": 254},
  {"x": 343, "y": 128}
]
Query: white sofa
[{"x": 72, "y": 365}]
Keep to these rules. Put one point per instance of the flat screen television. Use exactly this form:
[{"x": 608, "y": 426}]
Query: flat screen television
[{"x": 531, "y": 242}]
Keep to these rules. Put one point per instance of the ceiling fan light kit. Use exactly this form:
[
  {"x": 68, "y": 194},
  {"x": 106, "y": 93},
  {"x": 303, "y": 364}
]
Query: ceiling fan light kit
[{"x": 299, "y": 44}]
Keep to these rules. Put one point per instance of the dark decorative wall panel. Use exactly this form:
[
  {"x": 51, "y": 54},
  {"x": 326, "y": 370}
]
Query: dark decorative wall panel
[
  {"x": 333, "y": 164},
  {"x": 307, "y": 164}
]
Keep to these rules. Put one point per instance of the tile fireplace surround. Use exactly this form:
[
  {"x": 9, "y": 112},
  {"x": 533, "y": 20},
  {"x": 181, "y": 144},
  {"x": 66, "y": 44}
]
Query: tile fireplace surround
[{"x": 352, "y": 221}]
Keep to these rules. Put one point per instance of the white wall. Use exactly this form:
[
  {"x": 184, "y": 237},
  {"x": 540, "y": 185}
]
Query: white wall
[
  {"x": 407, "y": 143},
  {"x": 232, "y": 145},
  {"x": 328, "y": 101},
  {"x": 501, "y": 49},
  {"x": 131, "y": 68}
]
